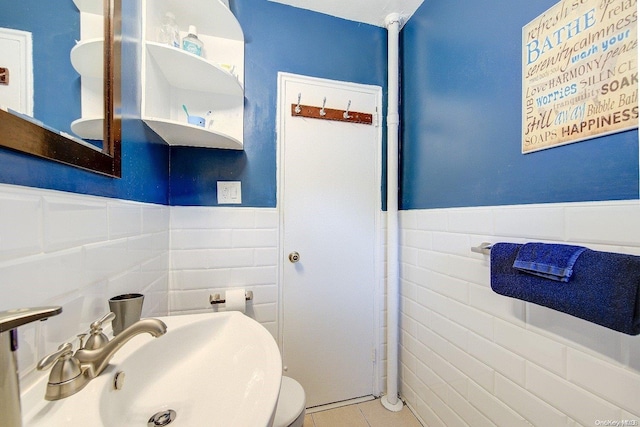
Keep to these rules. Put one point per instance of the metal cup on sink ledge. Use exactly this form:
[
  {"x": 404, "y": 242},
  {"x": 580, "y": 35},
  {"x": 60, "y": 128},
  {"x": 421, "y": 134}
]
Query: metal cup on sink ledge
[{"x": 127, "y": 308}]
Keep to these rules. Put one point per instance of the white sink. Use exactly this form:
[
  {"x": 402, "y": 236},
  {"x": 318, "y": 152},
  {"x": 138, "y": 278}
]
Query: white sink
[{"x": 210, "y": 369}]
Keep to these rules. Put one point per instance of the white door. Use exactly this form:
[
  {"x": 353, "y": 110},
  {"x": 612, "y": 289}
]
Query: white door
[
  {"x": 16, "y": 83},
  {"x": 329, "y": 191}
]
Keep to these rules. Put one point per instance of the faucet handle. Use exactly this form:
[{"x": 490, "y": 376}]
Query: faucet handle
[
  {"x": 97, "y": 338},
  {"x": 97, "y": 325},
  {"x": 81, "y": 340},
  {"x": 66, "y": 376},
  {"x": 48, "y": 361}
]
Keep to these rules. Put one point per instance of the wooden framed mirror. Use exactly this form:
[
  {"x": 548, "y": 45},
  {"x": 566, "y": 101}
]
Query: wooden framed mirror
[{"x": 25, "y": 136}]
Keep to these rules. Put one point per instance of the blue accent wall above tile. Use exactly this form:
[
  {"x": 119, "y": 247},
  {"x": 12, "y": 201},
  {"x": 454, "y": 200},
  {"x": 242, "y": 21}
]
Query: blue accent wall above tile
[
  {"x": 461, "y": 98},
  {"x": 461, "y": 118}
]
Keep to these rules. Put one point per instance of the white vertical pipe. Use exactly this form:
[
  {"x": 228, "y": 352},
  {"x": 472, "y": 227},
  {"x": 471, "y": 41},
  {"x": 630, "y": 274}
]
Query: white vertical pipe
[{"x": 390, "y": 401}]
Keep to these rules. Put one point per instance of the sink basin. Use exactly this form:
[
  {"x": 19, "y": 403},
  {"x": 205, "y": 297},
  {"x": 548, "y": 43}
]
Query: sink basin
[{"x": 208, "y": 369}]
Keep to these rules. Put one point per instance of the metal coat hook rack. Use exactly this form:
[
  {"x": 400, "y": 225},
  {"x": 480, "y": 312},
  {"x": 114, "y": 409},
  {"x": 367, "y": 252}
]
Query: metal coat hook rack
[{"x": 308, "y": 111}]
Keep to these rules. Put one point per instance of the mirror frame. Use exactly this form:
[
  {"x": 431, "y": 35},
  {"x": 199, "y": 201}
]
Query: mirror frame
[{"x": 26, "y": 137}]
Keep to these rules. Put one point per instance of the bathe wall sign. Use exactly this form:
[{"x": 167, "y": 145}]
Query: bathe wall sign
[{"x": 579, "y": 72}]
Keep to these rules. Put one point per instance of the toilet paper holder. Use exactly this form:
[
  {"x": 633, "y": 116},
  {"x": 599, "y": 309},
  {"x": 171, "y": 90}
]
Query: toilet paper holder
[{"x": 216, "y": 299}]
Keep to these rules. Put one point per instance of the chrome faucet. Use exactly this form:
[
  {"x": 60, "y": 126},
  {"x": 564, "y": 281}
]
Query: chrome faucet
[
  {"x": 98, "y": 359},
  {"x": 72, "y": 372},
  {"x": 10, "y": 390}
]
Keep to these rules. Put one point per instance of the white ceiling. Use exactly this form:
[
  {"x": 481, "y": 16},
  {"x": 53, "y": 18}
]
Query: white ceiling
[{"x": 371, "y": 12}]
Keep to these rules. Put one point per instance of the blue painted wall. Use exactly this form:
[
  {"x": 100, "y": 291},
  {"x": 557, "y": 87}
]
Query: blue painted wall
[
  {"x": 460, "y": 108},
  {"x": 461, "y": 117},
  {"x": 278, "y": 38}
]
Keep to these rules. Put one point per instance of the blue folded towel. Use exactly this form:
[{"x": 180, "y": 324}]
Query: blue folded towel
[
  {"x": 550, "y": 261},
  {"x": 604, "y": 287}
]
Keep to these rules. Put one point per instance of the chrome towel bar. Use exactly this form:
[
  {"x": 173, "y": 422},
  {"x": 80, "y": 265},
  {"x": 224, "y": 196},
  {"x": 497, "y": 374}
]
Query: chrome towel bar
[{"x": 482, "y": 248}]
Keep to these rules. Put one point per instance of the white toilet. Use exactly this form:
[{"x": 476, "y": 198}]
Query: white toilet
[{"x": 291, "y": 404}]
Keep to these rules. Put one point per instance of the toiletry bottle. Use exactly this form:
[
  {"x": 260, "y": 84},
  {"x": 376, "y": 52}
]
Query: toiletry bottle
[
  {"x": 191, "y": 43},
  {"x": 169, "y": 31}
]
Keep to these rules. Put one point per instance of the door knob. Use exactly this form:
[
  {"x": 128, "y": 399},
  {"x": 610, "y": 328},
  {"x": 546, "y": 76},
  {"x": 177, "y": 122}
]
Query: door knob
[{"x": 294, "y": 257}]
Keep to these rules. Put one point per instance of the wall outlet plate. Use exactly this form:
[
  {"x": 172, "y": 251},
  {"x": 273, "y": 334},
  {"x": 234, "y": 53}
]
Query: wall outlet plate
[{"x": 229, "y": 193}]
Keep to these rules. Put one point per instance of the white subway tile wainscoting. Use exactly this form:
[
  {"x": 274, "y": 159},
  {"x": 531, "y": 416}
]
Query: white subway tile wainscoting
[
  {"x": 215, "y": 249},
  {"x": 471, "y": 357},
  {"x": 77, "y": 251}
]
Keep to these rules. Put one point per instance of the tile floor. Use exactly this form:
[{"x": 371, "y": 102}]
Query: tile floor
[{"x": 365, "y": 414}]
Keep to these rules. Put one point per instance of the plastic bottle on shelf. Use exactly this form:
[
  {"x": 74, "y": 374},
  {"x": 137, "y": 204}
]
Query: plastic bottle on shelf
[
  {"x": 191, "y": 43},
  {"x": 169, "y": 31}
]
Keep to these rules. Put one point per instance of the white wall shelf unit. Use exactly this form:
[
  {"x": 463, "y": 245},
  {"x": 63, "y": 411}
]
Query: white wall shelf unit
[
  {"x": 88, "y": 127},
  {"x": 87, "y": 59},
  {"x": 90, "y": 6},
  {"x": 211, "y": 85}
]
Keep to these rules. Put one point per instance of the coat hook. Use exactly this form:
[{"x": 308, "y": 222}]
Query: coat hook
[
  {"x": 346, "y": 113},
  {"x": 298, "y": 109},
  {"x": 322, "y": 112},
  {"x": 4, "y": 76}
]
